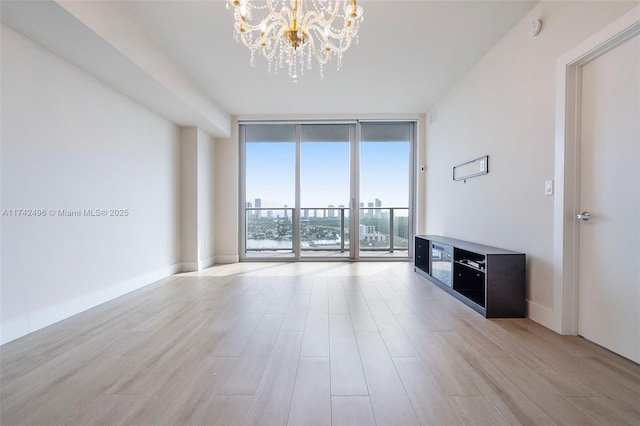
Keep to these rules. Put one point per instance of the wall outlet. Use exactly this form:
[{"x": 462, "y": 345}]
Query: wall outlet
[{"x": 548, "y": 187}]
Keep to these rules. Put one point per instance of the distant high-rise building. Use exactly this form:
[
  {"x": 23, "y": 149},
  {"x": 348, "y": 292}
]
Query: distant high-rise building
[
  {"x": 249, "y": 205},
  {"x": 286, "y": 212},
  {"x": 378, "y": 205},
  {"x": 332, "y": 212},
  {"x": 315, "y": 213},
  {"x": 258, "y": 204},
  {"x": 361, "y": 210},
  {"x": 269, "y": 214},
  {"x": 370, "y": 212},
  {"x": 305, "y": 213}
]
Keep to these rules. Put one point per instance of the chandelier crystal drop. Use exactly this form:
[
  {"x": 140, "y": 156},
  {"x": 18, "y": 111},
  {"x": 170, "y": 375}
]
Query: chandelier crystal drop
[{"x": 294, "y": 33}]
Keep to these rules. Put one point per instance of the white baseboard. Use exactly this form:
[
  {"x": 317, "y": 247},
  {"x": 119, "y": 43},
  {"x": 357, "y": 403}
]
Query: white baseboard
[
  {"x": 542, "y": 315},
  {"x": 232, "y": 258},
  {"x": 25, "y": 324},
  {"x": 197, "y": 266},
  {"x": 188, "y": 266},
  {"x": 205, "y": 263}
]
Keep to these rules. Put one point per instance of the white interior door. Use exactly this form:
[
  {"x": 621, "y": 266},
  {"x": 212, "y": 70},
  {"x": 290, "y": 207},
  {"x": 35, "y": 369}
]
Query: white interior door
[{"x": 609, "y": 272}]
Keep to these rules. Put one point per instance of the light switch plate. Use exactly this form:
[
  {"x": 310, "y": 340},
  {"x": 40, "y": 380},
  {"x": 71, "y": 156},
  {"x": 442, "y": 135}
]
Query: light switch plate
[{"x": 548, "y": 187}]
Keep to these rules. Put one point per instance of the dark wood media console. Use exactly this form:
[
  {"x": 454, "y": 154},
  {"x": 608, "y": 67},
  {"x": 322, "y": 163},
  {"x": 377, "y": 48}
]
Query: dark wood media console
[{"x": 488, "y": 279}]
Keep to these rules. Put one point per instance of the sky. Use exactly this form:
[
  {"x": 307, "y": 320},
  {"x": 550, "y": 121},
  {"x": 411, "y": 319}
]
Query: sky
[{"x": 324, "y": 173}]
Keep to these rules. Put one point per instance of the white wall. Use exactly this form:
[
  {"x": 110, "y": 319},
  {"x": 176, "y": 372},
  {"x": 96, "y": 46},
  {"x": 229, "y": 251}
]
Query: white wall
[
  {"x": 504, "y": 107},
  {"x": 206, "y": 199},
  {"x": 70, "y": 142},
  {"x": 227, "y": 154},
  {"x": 197, "y": 198},
  {"x": 189, "y": 198}
]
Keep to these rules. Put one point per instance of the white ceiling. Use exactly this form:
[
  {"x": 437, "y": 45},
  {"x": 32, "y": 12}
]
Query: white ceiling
[
  {"x": 178, "y": 57},
  {"x": 410, "y": 53}
]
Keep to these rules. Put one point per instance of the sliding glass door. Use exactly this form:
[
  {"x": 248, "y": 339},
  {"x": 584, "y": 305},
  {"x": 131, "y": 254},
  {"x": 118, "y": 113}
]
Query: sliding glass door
[
  {"x": 326, "y": 190},
  {"x": 385, "y": 188},
  {"x": 270, "y": 190}
]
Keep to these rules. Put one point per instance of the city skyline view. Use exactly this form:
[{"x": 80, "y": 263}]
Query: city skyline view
[{"x": 325, "y": 173}]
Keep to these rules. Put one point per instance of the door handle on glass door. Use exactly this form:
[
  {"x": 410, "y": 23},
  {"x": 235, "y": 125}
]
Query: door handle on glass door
[{"x": 584, "y": 216}]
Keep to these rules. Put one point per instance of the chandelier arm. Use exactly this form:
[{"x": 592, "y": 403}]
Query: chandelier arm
[
  {"x": 313, "y": 18},
  {"x": 244, "y": 37},
  {"x": 332, "y": 37},
  {"x": 246, "y": 42},
  {"x": 333, "y": 46},
  {"x": 321, "y": 59},
  {"x": 274, "y": 47},
  {"x": 276, "y": 20},
  {"x": 248, "y": 26},
  {"x": 320, "y": 27},
  {"x": 320, "y": 16},
  {"x": 270, "y": 7},
  {"x": 253, "y": 27}
]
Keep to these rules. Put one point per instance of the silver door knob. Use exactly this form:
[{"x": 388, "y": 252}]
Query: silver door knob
[{"x": 584, "y": 216}]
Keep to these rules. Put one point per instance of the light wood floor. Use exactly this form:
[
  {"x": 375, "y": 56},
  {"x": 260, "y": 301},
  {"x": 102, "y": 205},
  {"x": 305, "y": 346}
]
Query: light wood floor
[{"x": 308, "y": 344}]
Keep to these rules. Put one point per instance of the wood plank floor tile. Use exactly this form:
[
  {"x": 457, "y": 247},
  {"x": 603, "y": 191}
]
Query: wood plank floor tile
[
  {"x": 67, "y": 396},
  {"x": 557, "y": 407},
  {"x": 337, "y": 299},
  {"x": 296, "y": 317},
  {"x": 476, "y": 411},
  {"x": 106, "y": 410},
  {"x": 426, "y": 395},
  {"x": 240, "y": 329},
  {"x": 359, "y": 309},
  {"x": 606, "y": 411},
  {"x": 246, "y": 375},
  {"x": 272, "y": 400},
  {"x": 347, "y": 375},
  {"x": 397, "y": 342},
  {"x": 444, "y": 364},
  {"x": 311, "y": 402},
  {"x": 390, "y": 402},
  {"x": 227, "y": 410},
  {"x": 351, "y": 411},
  {"x": 392, "y": 299},
  {"x": 493, "y": 383},
  {"x": 316, "y": 330},
  {"x": 197, "y": 393}
]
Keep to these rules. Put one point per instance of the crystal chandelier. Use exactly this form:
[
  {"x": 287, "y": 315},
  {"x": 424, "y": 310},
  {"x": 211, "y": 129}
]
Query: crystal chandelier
[{"x": 295, "y": 32}]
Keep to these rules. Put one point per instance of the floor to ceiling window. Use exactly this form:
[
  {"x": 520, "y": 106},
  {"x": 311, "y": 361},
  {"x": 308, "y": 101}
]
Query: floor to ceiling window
[
  {"x": 270, "y": 188},
  {"x": 385, "y": 188},
  {"x": 326, "y": 190}
]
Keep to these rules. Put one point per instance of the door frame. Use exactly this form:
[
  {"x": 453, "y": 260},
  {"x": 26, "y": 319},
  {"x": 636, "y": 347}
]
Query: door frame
[{"x": 566, "y": 235}]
